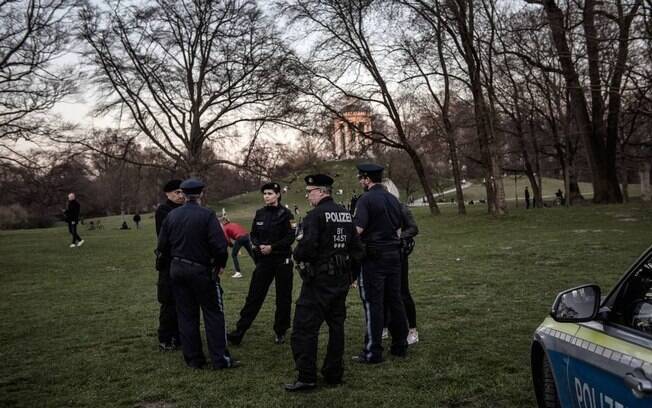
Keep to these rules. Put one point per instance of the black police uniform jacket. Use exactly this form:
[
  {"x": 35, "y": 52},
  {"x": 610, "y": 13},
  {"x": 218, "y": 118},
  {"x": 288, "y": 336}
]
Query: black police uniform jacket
[
  {"x": 162, "y": 211},
  {"x": 378, "y": 213},
  {"x": 272, "y": 225},
  {"x": 327, "y": 230},
  {"x": 192, "y": 233}
]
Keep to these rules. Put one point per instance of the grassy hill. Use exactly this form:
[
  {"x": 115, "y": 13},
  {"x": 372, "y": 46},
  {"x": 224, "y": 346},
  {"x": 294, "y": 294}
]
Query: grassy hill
[
  {"x": 343, "y": 172},
  {"x": 78, "y": 326},
  {"x": 477, "y": 190}
]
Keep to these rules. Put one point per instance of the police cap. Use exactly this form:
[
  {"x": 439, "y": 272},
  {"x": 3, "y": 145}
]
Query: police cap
[
  {"x": 171, "y": 185},
  {"x": 271, "y": 186},
  {"x": 369, "y": 170},
  {"x": 192, "y": 186},
  {"x": 318, "y": 180}
]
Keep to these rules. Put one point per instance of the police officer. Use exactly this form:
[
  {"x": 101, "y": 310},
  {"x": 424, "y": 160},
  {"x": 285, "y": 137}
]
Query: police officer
[
  {"x": 271, "y": 238},
  {"x": 327, "y": 243},
  {"x": 378, "y": 221},
  {"x": 168, "y": 327},
  {"x": 192, "y": 238}
]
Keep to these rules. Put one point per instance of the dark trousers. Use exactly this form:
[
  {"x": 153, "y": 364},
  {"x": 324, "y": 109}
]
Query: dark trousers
[
  {"x": 380, "y": 284},
  {"x": 242, "y": 242},
  {"x": 168, "y": 325},
  {"x": 321, "y": 299},
  {"x": 72, "y": 228},
  {"x": 268, "y": 270},
  {"x": 408, "y": 302},
  {"x": 194, "y": 289}
]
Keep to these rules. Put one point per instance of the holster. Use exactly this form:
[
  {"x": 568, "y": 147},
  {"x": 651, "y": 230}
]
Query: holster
[
  {"x": 407, "y": 246},
  {"x": 306, "y": 271},
  {"x": 339, "y": 264}
]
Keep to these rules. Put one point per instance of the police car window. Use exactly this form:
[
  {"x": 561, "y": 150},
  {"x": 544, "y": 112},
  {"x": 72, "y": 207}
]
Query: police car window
[{"x": 633, "y": 305}]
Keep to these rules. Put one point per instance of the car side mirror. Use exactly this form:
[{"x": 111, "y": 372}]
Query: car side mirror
[{"x": 576, "y": 305}]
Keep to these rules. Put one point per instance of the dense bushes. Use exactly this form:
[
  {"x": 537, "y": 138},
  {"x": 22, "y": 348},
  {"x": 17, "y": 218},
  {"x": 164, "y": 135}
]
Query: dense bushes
[{"x": 14, "y": 216}]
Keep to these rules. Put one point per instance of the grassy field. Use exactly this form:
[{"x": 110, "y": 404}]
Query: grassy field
[
  {"x": 344, "y": 173},
  {"x": 78, "y": 326}
]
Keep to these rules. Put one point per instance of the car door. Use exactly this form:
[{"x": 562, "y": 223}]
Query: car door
[{"x": 611, "y": 366}]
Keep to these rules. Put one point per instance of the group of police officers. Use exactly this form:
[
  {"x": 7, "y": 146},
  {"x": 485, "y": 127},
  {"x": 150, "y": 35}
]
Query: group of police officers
[{"x": 334, "y": 249}]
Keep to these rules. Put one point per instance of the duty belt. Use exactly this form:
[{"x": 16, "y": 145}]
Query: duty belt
[{"x": 189, "y": 262}]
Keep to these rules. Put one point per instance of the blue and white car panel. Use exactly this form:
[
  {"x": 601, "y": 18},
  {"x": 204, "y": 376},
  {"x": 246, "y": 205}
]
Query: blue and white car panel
[{"x": 604, "y": 361}]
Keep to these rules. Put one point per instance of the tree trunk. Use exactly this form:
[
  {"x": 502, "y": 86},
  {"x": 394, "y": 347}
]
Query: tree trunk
[
  {"x": 463, "y": 13},
  {"x": 421, "y": 173},
  {"x": 574, "y": 195},
  {"x": 644, "y": 175},
  {"x": 605, "y": 183},
  {"x": 455, "y": 163}
]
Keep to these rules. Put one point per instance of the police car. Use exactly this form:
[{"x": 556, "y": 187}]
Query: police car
[{"x": 595, "y": 351}]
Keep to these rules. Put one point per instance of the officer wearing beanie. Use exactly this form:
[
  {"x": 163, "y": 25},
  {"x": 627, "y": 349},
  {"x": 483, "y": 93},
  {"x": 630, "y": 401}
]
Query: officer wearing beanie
[
  {"x": 168, "y": 328},
  {"x": 194, "y": 241},
  {"x": 271, "y": 238},
  {"x": 327, "y": 245},
  {"x": 377, "y": 218}
]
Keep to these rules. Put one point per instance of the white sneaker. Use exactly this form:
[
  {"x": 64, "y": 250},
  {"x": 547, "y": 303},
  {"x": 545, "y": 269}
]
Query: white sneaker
[
  {"x": 412, "y": 337},
  {"x": 80, "y": 243},
  {"x": 385, "y": 333},
  {"x": 237, "y": 275},
  {"x": 72, "y": 245}
]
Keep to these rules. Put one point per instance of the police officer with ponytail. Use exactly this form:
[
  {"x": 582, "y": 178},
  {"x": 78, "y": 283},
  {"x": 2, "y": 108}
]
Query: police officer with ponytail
[
  {"x": 327, "y": 246},
  {"x": 271, "y": 238}
]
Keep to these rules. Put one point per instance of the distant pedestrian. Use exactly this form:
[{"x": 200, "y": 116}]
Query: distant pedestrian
[
  {"x": 271, "y": 239},
  {"x": 527, "y": 198},
  {"x": 191, "y": 238},
  {"x": 560, "y": 197},
  {"x": 71, "y": 214},
  {"x": 168, "y": 329},
  {"x": 237, "y": 237},
  {"x": 137, "y": 220},
  {"x": 124, "y": 226}
]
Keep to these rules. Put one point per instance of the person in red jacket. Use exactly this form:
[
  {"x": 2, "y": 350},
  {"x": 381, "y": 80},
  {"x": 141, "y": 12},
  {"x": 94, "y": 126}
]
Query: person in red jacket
[{"x": 237, "y": 237}]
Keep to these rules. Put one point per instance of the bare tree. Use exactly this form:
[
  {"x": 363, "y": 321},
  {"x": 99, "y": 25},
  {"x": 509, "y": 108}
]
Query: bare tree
[
  {"x": 597, "y": 120},
  {"x": 33, "y": 34},
  {"x": 188, "y": 72},
  {"x": 348, "y": 59},
  {"x": 429, "y": 66},
  {"x": 471, "y": 26}
]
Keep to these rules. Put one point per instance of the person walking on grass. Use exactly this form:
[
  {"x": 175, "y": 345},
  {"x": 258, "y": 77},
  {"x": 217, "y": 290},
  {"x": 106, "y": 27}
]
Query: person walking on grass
[
  {"x": 71, "y": 215},
  {"x": 137, "y": 220},
  {"x": 237, "y": 237},
  {"x": 271, "y": 238}
]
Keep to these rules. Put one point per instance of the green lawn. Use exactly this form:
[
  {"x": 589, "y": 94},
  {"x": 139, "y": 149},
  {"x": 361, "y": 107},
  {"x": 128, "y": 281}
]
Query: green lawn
[{"x": 78, "y": 326}]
